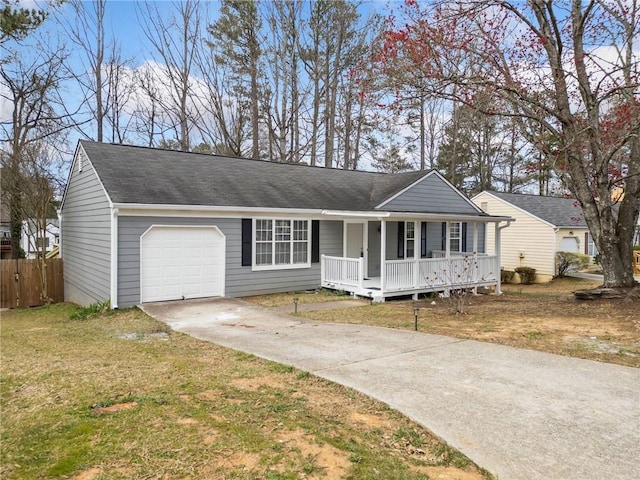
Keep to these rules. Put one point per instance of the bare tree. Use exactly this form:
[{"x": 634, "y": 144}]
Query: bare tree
[
  {"x": 31, "y": 85},
  {"x": 104, "y": 76},
  {"x": 175, "y": 40},
  {"x": 39, "y": 166},
  {"x": 284, "y": 96},
  {"x": 225, "y": 122}
]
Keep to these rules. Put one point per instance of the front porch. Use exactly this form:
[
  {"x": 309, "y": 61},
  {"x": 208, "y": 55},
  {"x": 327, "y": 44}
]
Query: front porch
[
  {"x": 410, "y": 277},
  {"x": 384, "y": 258}
]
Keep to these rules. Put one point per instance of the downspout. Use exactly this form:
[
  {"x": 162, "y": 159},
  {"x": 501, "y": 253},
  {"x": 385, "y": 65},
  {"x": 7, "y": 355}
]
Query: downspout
[
  {"x": 498, "y": 246},
  {"x": 555, "y": 248},
  {"x": 114, "y": 259},
  {"x": 383, "y": 254}
]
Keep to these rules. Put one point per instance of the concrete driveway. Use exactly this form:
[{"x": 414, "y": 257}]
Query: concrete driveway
[{"x": 518, "y": 413}]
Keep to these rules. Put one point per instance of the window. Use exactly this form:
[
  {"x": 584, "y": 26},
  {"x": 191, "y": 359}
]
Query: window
[
  {"x": 409, "y": 239},
  {"x": 455, "y": 237},
  {"x": 281, "y": 243},
  {"x": 592, "y": 251}
]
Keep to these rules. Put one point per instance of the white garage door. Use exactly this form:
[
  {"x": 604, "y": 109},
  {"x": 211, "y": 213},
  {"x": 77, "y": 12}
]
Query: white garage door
[
  {"x": 569, "y": 244},
  {"x": 181, "y": 262}
]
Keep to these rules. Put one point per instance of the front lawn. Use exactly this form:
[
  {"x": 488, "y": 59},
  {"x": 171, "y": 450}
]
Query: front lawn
[
  {"x": 120, "y": 396},
  {"x": 542, "y": 317}
]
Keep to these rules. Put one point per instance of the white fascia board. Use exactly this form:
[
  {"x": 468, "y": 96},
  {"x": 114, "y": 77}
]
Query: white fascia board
[
  {"x": 132, "y": 209},
  {"x": 73, "y": 165},
  {"x": 352, "y": 214},
  {"x": 452, "y": 217}
]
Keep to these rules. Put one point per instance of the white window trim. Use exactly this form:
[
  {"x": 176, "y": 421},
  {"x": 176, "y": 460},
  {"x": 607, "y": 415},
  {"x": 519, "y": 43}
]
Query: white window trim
[
  {"x": 407, "y": 239},
  {"x": 459, "y": 237},
  {"x": 288, "y": 266}
]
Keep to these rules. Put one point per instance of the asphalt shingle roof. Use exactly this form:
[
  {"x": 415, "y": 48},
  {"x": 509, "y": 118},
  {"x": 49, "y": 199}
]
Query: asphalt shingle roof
[
  {"x": 561, "y": 212},
  {"x": 142, "y": 175}
]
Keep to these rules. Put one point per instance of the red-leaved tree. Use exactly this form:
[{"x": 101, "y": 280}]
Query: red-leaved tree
[{"x": 567, "y": 71}]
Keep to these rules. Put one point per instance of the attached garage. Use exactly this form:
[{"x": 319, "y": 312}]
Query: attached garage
[{"x": 181, "y": 262}]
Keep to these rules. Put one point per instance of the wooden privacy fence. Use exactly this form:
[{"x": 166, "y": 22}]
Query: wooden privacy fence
[{"x": 21, "y": 286}]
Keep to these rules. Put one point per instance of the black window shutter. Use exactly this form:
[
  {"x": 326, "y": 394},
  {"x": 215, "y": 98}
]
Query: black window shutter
[
  {"x": 247, "y": 234},
  {"x": 464, "y": 236},
  {"x": 400, "y": 239},
  {"x": 315, "y": 241},
  {"x": 586, "y": 243},
  {"x": 423, "y": 239},
  {"x": 444, "y": 235}
]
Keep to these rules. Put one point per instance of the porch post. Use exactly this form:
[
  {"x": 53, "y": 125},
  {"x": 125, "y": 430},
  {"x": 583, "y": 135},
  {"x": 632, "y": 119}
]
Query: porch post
[
  {"x": 476, "y": 268},
  {"x": 475, "y": 238},
  {"x": 383, "y": 252},
  {"x": 417, "y": 245},
  {"x": 447, "y": 241},
  {"x": 497, "y": 260}
]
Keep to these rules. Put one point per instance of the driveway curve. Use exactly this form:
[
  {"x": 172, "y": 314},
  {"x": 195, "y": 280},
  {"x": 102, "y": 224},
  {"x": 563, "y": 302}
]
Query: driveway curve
[{"x": 520, "y": 414}]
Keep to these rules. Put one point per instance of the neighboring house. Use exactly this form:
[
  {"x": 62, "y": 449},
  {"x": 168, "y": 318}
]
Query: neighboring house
[
  {"x": 32, "y": 240},
  {"x": 5, "y": 230},
  {"x": 543, "y": 226},
  {"x": 142, "y": 225}
]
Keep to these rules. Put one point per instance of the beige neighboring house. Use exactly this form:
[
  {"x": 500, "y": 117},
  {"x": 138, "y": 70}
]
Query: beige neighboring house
[{"x": 542, "y": 227}]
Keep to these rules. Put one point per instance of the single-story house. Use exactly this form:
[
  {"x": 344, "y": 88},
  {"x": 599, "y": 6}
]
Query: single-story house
[
  {"x": 34, "y": 242},
  {"x": 143, "y": 225},
  {"x": 543, "y": 227}
]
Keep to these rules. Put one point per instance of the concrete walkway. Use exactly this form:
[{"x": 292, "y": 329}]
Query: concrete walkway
[{"x": 518, "y": 413}]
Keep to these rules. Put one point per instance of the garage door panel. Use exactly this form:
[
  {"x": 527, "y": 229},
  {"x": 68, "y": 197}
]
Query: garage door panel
[{"x": 182, "y": 262}]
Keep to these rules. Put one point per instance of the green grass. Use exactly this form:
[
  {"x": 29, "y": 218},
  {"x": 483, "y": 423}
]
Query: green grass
[
  {"x": 194, "y": 409},
  {"x": 304, "y": 297}
]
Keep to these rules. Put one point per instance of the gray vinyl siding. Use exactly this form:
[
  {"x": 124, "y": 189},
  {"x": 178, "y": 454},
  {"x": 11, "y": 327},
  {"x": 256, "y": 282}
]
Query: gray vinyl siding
[
  {"x": 434, "y": 237},
  {"x": 391, "y": 249},
  {"x": 373, "y": 268},
  {"x": 239, "y": 281},
  {"x": 86, "y": 237},
  {"x": 430, "y": 194},
  {"x": 434, "y": 240}
]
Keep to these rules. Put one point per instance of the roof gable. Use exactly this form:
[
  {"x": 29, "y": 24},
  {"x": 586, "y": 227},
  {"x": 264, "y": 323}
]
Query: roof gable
[
  {"x": 145, "y": 176},
  {"x": 432, "y": 190},
  {"x": 556, "y": 211}
]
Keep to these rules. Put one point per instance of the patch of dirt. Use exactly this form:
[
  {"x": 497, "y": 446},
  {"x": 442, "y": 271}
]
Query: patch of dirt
[
  {"x": 254, "y": 384},
  {"x": 449, "y": 473},
  {"x": 118, "y": 407},
  {"x": 240, "y": 460},
  {"x": 187, "y": 421},
  {"x": 331, "y": 462},
  {"x": 208, "y": 395},
  {"x": 89, "y": 474},
  {"x": 373, "y": 421}
]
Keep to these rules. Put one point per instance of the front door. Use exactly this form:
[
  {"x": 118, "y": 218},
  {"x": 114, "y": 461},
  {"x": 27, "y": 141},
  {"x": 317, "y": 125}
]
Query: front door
[{"x": 355, "y": 241}]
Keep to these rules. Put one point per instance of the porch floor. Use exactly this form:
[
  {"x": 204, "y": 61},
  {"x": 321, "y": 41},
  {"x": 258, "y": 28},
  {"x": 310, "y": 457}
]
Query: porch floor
[{"x": 371, "y": 289}]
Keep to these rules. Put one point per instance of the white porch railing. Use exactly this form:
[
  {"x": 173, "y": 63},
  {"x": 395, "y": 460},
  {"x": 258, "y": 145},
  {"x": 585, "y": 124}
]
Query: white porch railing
[
  {"x": 443, "y": 254},
  {"x": 342, "y": 271},
  {"x": 461, "y": 271},
  {"x": 425, "y": 274}
]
